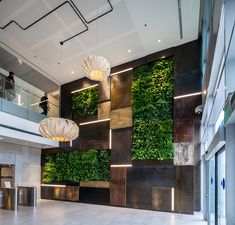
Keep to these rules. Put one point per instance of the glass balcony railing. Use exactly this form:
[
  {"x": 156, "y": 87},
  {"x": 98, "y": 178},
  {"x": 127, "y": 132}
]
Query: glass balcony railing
[{"x": 22, "y": 103}]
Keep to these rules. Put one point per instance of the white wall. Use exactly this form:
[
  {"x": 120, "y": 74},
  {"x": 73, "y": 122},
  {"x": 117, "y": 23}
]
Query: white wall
[{"x": 26, "y": 161}]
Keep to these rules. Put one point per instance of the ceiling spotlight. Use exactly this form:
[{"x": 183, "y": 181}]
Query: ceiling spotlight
[
  {"x": 72, "y": 72},
  {"x": 159, "y": 40},
  {"x": 129, "y": 51},
  {"x": 20, "y": 61}
]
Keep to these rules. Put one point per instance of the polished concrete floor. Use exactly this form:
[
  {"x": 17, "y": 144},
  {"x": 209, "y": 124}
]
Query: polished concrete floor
[{"x": 66, "y": 213}]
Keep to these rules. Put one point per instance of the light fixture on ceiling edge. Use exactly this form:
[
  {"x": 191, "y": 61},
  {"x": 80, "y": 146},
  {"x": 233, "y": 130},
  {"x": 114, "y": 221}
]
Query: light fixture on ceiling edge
[{"x": 96, "y": 67}]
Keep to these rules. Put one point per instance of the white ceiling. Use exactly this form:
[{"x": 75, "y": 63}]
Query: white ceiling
[{"x": 110, "y": 36}]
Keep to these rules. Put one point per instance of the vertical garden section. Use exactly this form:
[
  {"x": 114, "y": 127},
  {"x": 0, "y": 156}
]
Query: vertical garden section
[
  {"x": 72, "y": 167},
  {"x": 152, "y": 102},
  {"x": 85, "y": 103}
]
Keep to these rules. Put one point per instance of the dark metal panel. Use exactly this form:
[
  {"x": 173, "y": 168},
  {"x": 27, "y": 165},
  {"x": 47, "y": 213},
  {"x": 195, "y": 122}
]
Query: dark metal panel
[
  {"x": 118, "y": 186},
  {"x": 121, "y": 93},
  {"x": 141, "y": 179},
  {"x": 184, "y": 199},
  {"x": 121, "y": 146},
  {"x": 188, "y": 83},
  {"x": 161, "y": 198},
  {"x": 94, "y": 195},
  {"x": 187, "y": 58},
  {"x": 91, "y": 136}
]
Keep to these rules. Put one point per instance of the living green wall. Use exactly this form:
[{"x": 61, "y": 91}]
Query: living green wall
[
  {"x": 152, "y": 105},
  {"x": 85, "y": 103},
  {"x": 92, "y": 165}
]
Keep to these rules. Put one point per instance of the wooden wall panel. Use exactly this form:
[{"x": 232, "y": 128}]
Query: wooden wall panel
[
  {"x": 184, "y": 191},
  {"x": 121, "y": 90},
  {"x": 121, "y": 146},
  {"x": 104, "y": 110},
  {"x": 118, "y": 186},
  {"x": 121, "y": 118}
]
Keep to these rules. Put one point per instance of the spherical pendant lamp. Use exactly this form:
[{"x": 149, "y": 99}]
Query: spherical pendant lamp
[
  {"x": 96, "y": 67},
  {"x": 58, "y": 129}
]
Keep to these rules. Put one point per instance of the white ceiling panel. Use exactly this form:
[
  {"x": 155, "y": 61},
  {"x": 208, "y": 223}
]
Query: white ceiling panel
[
  {"x": 8, "y": 8},
  {"x": 102, "y": 30},
  {"x": 111, "y": 36},
  {"x": 92, "y": 8},
  {"x": 118, "y": 50},
  {"x": 37, "y": 33},
  {"x": 31, "y": 14}
]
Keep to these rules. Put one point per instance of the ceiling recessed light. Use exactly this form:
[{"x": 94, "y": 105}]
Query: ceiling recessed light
[
  {"x": 159, "y": 40},
  {"x": 129, "y": 51},
  {"x": 20, "y": 61},
  {"x": 72, "y": 72}
]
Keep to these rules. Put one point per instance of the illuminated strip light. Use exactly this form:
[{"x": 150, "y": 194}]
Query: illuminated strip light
[
  {"x": 110, "y": 138},
  {"x": 95, "y": 121},
  {"x": 172, "y": 199},
  {"x": 82, "y": 89},
  {"x": 37, "y": 103},
  {"x": 52, "y": 185},
  {"x": 188, "y": 95},
  {"x": 122, "y": 165},
  {"x": 122, "y": 71}
]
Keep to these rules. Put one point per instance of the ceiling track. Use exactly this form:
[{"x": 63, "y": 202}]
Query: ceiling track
[
  {"x": 180, "y": 19},
  {"x": 74, "y": 8},
  {"x": 89, "y": 21}
]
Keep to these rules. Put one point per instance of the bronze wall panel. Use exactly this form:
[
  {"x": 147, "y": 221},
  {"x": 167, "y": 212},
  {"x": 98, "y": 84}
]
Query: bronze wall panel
[
  {"x": 184, "y": 190},
  {"x": 121, "y": 146},
  {"x": 118, "y": 186},
  {"x": 121, "y": 93},
  {"x": 104, "y": 90},
  {"x": 121, "y": 118},
  {"x": 104, "y": 110},
  {"x": 161, "y": 198}
]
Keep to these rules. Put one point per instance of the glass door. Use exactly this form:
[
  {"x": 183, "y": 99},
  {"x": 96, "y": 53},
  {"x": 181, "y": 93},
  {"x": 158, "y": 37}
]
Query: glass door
[
  {"x": 211, "y": 211},
  {"x": 221, "y": 188}
]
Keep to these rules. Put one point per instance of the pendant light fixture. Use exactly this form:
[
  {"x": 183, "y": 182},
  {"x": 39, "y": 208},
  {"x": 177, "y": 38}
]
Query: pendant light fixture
[
  {"x": 94, "y": 66},
  {"x": 58, "y": 129}
]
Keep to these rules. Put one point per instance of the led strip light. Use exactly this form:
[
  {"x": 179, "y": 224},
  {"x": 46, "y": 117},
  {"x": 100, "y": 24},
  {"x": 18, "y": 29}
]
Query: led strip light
[
  {"x": 188, "y": 95},
  {"x": 82, "y": 89},
  {"x": 95, "y": 121}
]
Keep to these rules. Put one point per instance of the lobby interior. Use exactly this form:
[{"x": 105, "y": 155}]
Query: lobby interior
[{"x": 119, "y": 112}]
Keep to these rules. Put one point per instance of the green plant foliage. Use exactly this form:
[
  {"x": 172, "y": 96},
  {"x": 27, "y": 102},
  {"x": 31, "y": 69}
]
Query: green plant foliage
[
  {"x": 152, "y": 102},
  {"x": 85, "y": 103},
  {"x": 92, "y": 165}
]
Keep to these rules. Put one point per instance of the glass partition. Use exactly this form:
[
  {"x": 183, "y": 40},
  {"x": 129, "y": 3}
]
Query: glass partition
[{"x": 23, "y": 103}]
